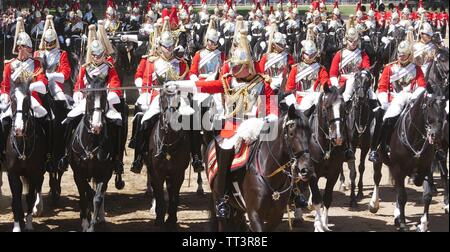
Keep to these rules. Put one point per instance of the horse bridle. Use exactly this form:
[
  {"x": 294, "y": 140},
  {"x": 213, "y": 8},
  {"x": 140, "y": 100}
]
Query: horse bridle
[
  {"x": 355, "y": 105},
  {"x": 22, "y": 155}
]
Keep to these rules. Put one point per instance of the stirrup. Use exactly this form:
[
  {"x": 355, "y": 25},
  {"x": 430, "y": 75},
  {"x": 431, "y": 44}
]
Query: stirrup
[
  {"x": 374, "y": 157},
  {"x": 222, "y": 208},
  {"x": 197, "y": 164}
]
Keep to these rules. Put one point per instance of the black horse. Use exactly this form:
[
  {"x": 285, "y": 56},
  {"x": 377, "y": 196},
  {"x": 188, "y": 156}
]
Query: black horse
[
  {"x": 327, "y": 147},
  {"x": 26, "y": 148},
  {"x": 168, "y": 158},
  {"x": 359, "y": 121},
  {"x": 413, "y": 143},
  {"x": 262, "y": 190},
  {"x": 91, "y": 155}
]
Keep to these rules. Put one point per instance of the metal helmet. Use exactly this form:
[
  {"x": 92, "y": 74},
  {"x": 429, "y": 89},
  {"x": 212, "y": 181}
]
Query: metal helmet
[
  {"x": 71, "y": 14},
  {"x": 79, "y": 14},
  {"x": 404, "y": 49},
  {"x": 426, "y": 29},
  {"x": 37, "y": 14},
  {"x": 183, "y": 15},
  {"x": 212, "y": 35},
  {"x": 110, "y": 11},
  {"x": 97, "y": 48},
  {"x": 405, "y": 11},
  {"x": 359, "y": 14},
  {"x": 166, "y": 39},
  {"x": 309, "y": 47},
  {"x": 259, "y": 13},
  {"x": 421, "y": 10},
  {"x": 24, "y": 39},
  {"x": 371, "y": 13},
  {"x": 279, "y": 39},
  {"x": 352, "y": 35},
  {"x": 136, "y": 10},
  {"x": 316, "y": 14},
  {"x": 231, "y": 13},
  {"x": 50, "y": 35}
]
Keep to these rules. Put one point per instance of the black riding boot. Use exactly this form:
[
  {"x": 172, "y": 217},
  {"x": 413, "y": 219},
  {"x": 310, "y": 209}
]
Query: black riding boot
[
  {"x": 224, "y": 159},
  {"x": 375, "y": 140},
  {"x": 63, "y": 163},
  {"x": 196, "y": 151},
  {"x": 46, "y": 125},
  {"x": 387, "y": 129},
  {"x": 6, "y": 127},
  {"x": 136, "y": 123},
  {"x": 142, "y": 138}
]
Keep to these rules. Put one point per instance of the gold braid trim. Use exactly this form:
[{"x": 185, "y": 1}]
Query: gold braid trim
[{"x": 239, "y": 96}]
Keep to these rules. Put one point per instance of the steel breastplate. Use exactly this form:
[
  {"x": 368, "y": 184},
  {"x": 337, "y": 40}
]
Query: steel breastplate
[
  {"x": 279, "y": 68},
  {"x": 100, "y": 71},
  {"x": 308, "y": 81},
  {"x": 52, "y": 59},
  {"x": 168, "y": 70},
  {"x": 425, "y": 55},
  {"x": 22, "y": 72},
  {"x": 212, "y": 65},
  {"x": 353, "y": 65},
  {"x": 405, "y": 81}
]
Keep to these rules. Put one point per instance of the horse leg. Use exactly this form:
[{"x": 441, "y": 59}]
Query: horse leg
[
  {"x": 361, "y": 169},
  {"x": 38, "y": 206},
  {"x": 173, "y": 187},
  {"x": 160, "y": 204},
  {"x": 15, "y": 185},
  {"x": 316, "y": 197},
  {"x": 32, "y": 199},
  {"x": 374, "y": 203},
  {"x": 101, "y": 212},
  {"x": 97, "y": 202},
  {"x": 1, "y": 182},
  {"x": 351, "y": 166},
  {"x": 200, "y": 190},
  {"x": 256, "y": 224},
  {"x": 427, "y": 197},
  {"x": 444, "y": 177},
  {"x": 328, "y": 198},
  {"x": 342, "y": 186},
  {"x": 402, "y": 197},
  {"x": 83, "y": 190}
]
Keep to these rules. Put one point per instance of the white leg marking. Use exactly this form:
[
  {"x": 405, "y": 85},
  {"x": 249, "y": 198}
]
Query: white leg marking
[
  {"x": 84, "y": 225},
  {"x": 423, "y": 226},
  {"x": 16, "y": 227}
]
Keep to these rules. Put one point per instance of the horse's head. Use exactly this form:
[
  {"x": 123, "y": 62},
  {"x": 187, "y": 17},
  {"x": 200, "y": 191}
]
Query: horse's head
[
  {"x": 169, "y": 104},
  {"x": 96, "y": 104},
  {"x": 438, "y": 72},
  {"x": 21, "y": 107},
  {"x": 363, "y": 82},
  {"x": 332, "y": 109},
  {"x": 297, "y": 133},
  {"x": 434, "y": 111}
]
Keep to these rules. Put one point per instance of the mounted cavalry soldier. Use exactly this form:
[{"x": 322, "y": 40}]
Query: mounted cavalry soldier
[
  {"x": 277, "y": 62},
  {"x": 336, "y": 22},
  {"x": 400, "y": 82},
  {"x": 164, "y": 65},
  {"x": 55, "y": 64},
  {"x": 346, "y": 63},
  {"x": 98, "y": 66},
  {"x": 112, "y": 23},
  {"x": 89, "y": 16},
  {"x": 37, "y": 28},
  {"x": 306, "y": 79},
  {"x": 425, "y": 49},
  {"x": 21, "y": 70},
  {"x": 244, "y": 90}
]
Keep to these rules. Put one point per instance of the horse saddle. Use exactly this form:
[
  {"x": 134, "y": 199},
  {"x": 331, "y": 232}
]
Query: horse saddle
[{"x": 240, "y": 159}]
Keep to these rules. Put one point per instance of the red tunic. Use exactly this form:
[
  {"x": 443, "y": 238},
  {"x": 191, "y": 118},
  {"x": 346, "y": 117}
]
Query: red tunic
[
  {"x": 292, "y": 85},
  {"x": 385, "y": 84},
  {"x": 146, "y": 69},
  {"x": 195, "y": 63},
  {"x": 113, "y": 80},
  {"x": 335, "y": 71},
  {"x": 6, "y": 83},
  {"x": 63, "y": 67},
  {"x": 262, "y": 62}
]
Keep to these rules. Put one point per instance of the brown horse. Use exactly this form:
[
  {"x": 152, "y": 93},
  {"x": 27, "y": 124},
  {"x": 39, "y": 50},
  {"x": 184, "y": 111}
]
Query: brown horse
[
  {"x": 26, "y": 148},
  {"x": 327, "y": 150},
  {"x": 263, "y": 189},
  {"x": 168, "y": 158}
]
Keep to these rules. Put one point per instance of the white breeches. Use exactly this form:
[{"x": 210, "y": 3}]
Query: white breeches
[
  {"x": 308, "y": 101},
  {"x": 349, "y": 90},
  {"x": 399, "y": 102}
]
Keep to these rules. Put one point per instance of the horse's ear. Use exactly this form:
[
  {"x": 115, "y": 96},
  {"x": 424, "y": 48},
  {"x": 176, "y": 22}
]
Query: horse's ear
[
  {"x": 292, "y": 112},
  {"x": 429, "y": 88},
  {"x": 326, "y": 88}
]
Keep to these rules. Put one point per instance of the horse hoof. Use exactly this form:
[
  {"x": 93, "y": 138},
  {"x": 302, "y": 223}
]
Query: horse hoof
[
  {"x": 360, "y": 196},
  {"x": 200, "y": 192},
  {"x": 91, "y": 229},
  {"x": 119, "y": 183},
  {"x": 55, "y": 195},
  {"x": 84, "y": 225},
  {"x": 297, "y": 222},
  {"x": 373, "y": 209},
  {"x": 16, "y": 228},
  {"x": 403, "y": 227},
  {"x": 397, "y": 221},
  {"x": 353, "y": 204},
  {"x": 343, "y": 188},
  {"x": 446, "y": 209},
  {"x": 159, "y": 222}
]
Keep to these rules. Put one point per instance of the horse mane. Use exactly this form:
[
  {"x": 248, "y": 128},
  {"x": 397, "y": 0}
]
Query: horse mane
[{"x": 333, "y": 96}]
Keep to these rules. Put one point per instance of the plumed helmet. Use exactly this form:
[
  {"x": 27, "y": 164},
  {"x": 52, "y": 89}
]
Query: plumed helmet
[
  {"x": 352, "y": 34},
  {"x": 426, "y": 29},
  {"x": 309, "y": 47},
  {"x": 97, "y": 47}
]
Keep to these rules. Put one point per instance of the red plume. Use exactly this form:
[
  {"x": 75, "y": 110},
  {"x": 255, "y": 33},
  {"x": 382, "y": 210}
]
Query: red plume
[
  {"x": 358, "y": 5},
  {"x": 420, "y": 4},
  {"x": 174, "y": 16},
  {"x": 372, "y": 5},
  {"x": 165, "y": 13},
  {"x": 336, "y": 4}
]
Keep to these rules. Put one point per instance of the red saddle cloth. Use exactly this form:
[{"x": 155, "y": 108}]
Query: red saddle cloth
[{"x": 239, "y": 161}]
